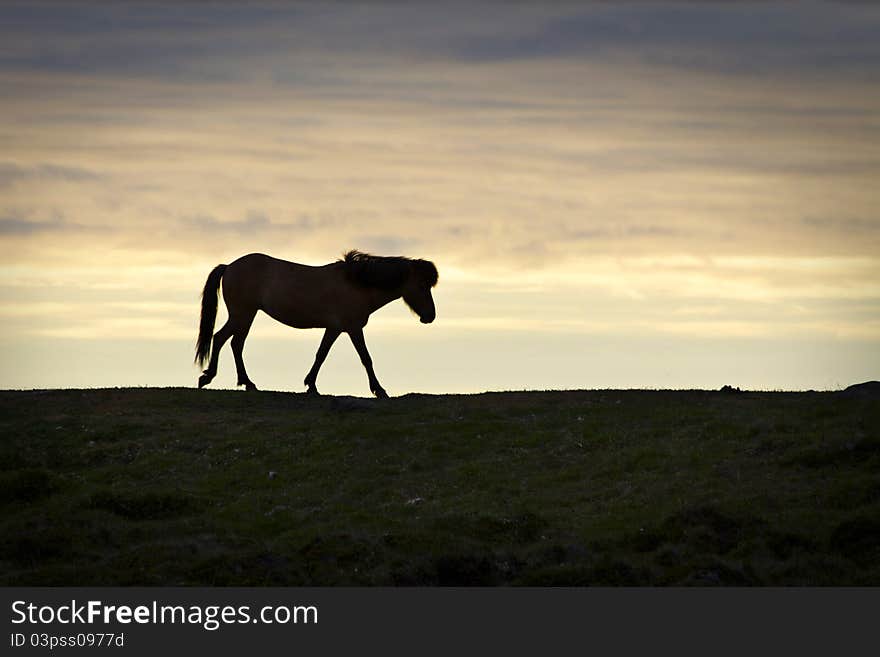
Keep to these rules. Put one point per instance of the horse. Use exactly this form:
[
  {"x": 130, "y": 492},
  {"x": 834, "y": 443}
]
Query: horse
[{"x": 338, "y": 297}]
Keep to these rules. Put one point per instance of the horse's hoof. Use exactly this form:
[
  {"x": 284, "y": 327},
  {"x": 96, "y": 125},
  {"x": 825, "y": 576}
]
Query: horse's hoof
[
  {"x": 204, "y": 380},
  {"x": 380, "y": 393},
  {"x": 250, "y": 387},
  {"x": 313, "y": 392}
]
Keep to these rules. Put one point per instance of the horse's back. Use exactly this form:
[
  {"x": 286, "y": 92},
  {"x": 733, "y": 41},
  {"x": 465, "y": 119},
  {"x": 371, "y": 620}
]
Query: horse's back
[
  {"x": 258, "y": 262},
  {"x": 292, "y": 293},
  {"x": 259, "y": 268}
]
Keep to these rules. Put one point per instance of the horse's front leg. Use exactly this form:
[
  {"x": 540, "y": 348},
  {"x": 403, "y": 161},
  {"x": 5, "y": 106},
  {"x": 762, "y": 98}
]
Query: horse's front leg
[
  {"x": 357, "y": 339},
  {"x": 327, "y": 341}
]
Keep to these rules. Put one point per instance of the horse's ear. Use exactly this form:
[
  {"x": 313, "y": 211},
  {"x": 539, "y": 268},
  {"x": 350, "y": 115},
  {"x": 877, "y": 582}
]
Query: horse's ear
[{"x": 426, "y": 271}]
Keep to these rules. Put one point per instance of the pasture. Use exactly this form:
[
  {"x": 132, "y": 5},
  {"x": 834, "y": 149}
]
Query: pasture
[{"x": 604, "y": 487}]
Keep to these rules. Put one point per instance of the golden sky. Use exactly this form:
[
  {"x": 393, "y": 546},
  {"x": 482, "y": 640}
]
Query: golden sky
[{"x": 626, "y": 195}]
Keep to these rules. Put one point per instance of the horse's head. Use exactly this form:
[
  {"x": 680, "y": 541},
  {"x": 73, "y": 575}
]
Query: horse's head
[{"x": 417, "y": 289}]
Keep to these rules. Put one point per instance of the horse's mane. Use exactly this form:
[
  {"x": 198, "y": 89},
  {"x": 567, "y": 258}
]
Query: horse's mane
[{"x": 386, "y": 272}]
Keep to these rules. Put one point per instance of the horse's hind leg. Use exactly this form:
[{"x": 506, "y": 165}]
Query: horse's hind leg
[
  {"x": 220, "y": 338},
  {"x": 239, "y": 335}
]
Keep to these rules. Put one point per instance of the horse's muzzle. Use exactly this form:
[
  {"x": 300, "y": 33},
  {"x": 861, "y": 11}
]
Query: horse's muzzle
[{"x": 427, "y": 319}]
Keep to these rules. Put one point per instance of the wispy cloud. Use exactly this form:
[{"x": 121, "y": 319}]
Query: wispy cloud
[
  {"x": 16, "y": 226},
  {"x": 254, "y": 222},
  {"x": 11, "y": 173}
]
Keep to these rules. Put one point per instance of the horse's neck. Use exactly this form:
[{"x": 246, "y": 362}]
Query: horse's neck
[{"x": 380, "y": 298}]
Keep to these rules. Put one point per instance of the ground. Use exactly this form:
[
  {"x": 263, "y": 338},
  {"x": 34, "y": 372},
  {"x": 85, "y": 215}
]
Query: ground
[{"x": 604, "y": 487}]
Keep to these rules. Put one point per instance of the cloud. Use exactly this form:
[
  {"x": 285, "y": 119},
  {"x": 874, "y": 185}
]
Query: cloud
[
  {"x": 11, "y": 226},
  {"x": 755, "y": 39},
  {"x": 14, "y": 226},
  {"x": 254, "y": 222},
  {"x": 344, "y": 42},
  {"x": 388, "y": 244},
  {"x": 860, "y": 225},
  {"x": 97, "y": 38},
  {"x": 11, "y": 173}
]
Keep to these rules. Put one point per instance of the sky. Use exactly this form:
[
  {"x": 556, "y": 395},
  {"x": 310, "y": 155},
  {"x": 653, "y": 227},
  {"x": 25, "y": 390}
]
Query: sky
[{"x": 616, "y": 195}]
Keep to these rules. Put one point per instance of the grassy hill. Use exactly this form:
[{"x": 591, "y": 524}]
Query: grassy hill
[{"x": 181, "y": 486}]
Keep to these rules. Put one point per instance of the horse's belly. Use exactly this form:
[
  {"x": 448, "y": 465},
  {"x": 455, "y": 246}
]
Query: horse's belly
[
  {"x": 306, "y": 306},
  {"x": 294, "y": 320}
]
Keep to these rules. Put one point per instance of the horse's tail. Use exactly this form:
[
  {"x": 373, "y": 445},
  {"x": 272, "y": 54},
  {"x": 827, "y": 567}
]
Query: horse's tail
[{"x": 209, "y": 314}]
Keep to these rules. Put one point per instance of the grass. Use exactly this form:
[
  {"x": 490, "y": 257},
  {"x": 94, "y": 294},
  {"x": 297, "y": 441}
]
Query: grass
[{"x": 200, "y": 487}]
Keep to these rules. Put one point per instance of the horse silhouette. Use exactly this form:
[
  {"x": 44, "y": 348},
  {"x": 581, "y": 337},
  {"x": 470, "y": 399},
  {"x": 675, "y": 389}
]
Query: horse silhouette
[{"x": 338, "y": 297}]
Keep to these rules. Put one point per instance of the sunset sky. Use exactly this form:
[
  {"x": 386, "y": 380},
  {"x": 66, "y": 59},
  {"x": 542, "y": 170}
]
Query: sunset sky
[{"x": 664, "y": 195}]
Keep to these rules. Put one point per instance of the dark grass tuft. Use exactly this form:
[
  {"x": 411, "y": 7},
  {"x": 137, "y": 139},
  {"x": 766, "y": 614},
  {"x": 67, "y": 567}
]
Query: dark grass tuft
[
  {"x": 26, "y": 486},
  {"x": 144, "y": 506},
  {"x": 858, "y": 539}
]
